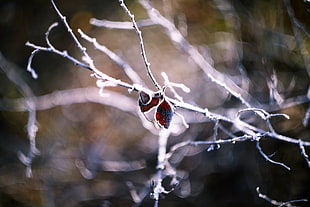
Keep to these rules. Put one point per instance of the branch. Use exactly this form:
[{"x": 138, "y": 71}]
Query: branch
[
  {"x": 301, "y": 46},
  {"x": 87, "y": 58},
  {"x": 11, "y": 72},
  {"x": 161, "y": 158},
  {"x": 175, "y": 35},
  {"x": 293, "y": 19},
  {"x": 242, "y": 126},
  {"x": 303, "y": 153},
  {"x": 120, "y": 25},
  {"x": 98, "y": 74},
  {"x": 268, "y": 159},
  {"x": 143, "y": 53},
  {"x": 131, "y": 73},
  {"x": 71, "y": 96},
  {"x": 278, "y": 203},
  {"x": 234, "y": 140}
]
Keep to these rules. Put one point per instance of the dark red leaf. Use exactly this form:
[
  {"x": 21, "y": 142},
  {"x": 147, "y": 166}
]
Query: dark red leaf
[
  {"x": 164, "y": 114},
  {"x": 146, "y": 103}
]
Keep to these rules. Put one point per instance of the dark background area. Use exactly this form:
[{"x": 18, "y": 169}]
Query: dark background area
[{"x": 247, "y": 40}]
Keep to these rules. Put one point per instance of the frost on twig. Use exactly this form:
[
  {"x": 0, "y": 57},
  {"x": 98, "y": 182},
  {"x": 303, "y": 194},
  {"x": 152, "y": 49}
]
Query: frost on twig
[
  {"x": 158, "y": 189},
  {"x": 135, "y": 78},
  {"x": 90, "y": 63},
  {"x": 175, "y": 35},
  {"x": 120, "y": 25},
  {"x": 10, "y": 70},
  {"x": 279, "y": 203},
  {"x": 143, "y": 53},
  {"x": 86, "y": 57},
  {"x": 267, "y": 157},
  {"x": 172, "y": 85},
  {"x": 303, "y": 153},
  {"x": 297, "y": 26}
]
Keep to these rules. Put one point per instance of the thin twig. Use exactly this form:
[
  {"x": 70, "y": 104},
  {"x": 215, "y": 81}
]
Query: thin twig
[
  {"x": 51, "y": 48},
  {"x": 120, "y": 25},
  {"x": 72, "y": 96},
  {"x": 135, "y": 78},
  {"x": 301, "y": 46},
  {"x": 143, "y": 53},
  {"x": 176, "y": 37},
  {"x": 161, "y": 158},
  {"x": 88, "y": 60},
  {"x": 211, "y": 142},
  {"x": 294, "y": 20},
  {"x": 278, "y": 203},
  {"x": 303, "y": 153},
  {"x": 30, "y": 59},
  {"x": 267, "y": 158},
  {"x": 48, "y": 33},
  {"x": 10, "y": 70},
  {"x": 86, "y": 57}
]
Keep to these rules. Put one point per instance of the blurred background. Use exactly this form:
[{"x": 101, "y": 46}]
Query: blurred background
[{"x": 95, "y": 151}]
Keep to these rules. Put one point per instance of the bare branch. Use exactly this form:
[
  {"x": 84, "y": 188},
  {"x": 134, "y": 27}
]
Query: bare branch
[
  {"x": 176, "y": 37},
  {"x": 52, "y": 50},
  {"x": 10, "y": 70},
  {"x": 143, "y": 53},
  {"x": 293, "y": 19},
  {"x": 274, "y": 95},
  {"x": 29, "y": 68},
  {"x": 48, "y": 33},
  {"x": 88, "y": 60},
  {"x": 279, "y": 203},
  {"x": 120, "y": 25},
  {"x": 98, "y": 74},
  {"x": 265, "y": 116},
  {"x": 161, "y": 158},
  {"x": 171, "y": 86},
  {"x": 211, "y": 142},
  {"x": 303, "y": 153},
  {"x": 297, "y": 25},
  {"x": 127, "y": 68},
  {"x": 268, "y": 159},
  {"x": 67, "y": 97}
]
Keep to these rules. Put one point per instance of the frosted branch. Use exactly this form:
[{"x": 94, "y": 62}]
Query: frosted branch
[
  {"x": 267, "y": 157},
  {"x": 135, "y": 78},
  {"x": 143, "y": 53},
  {"x": 120, "y": 25},
  {"x": 279, "y": 203},
  {"x": 10, "y": 70},
  {"x": 303, "y": 153},
  {"x": 176, "y": 37}
]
